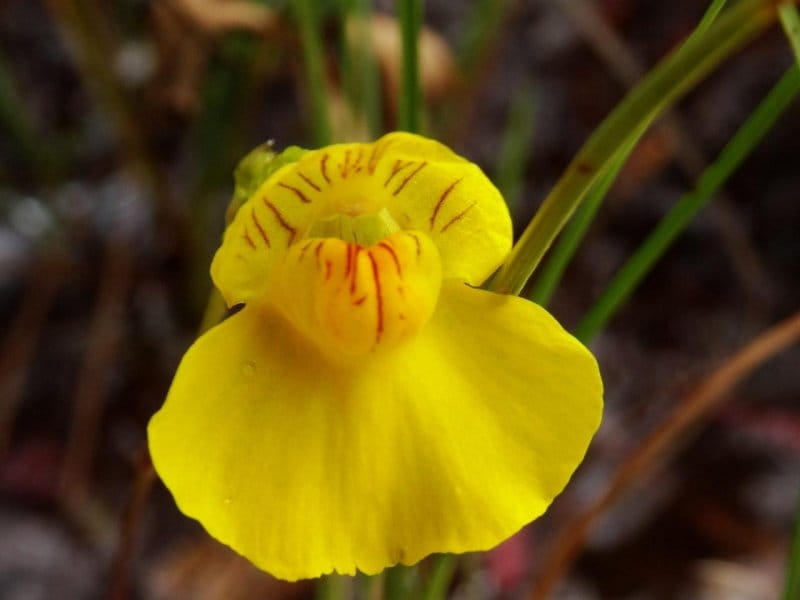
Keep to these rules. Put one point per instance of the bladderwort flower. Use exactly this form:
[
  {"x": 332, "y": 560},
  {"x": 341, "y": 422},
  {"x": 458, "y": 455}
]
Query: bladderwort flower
[{"x": 369, "y": 405}]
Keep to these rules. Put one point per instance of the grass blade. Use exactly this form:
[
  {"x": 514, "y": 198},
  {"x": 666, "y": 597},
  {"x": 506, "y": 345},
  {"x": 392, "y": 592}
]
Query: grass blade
[
  {"x": 665, "y": 84},
  {"x": 708, "y": 18},
  {"x": 791, "y": 590},
  {"x": 408, "y": 118},
  {"x": 360, "y": 76},
  {"x": 791, "y": 25},
  {"x": 568, "y": 243},
  {"x": 308, "y": 24},
  {"x": 482, "y": 25},
  {"x": 444, "y": 567},
  {"x": 639, "y": 264},
  {"x": 516, "y": 146}
]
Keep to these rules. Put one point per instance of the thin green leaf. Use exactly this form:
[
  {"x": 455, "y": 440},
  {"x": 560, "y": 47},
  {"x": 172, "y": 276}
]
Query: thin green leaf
[
  {"x": 409, "y": 110},
  {"x": 333, "y": 587},
  {"x": 400, "y": 583},
  {"x": 568, "y": 243},
  {"x": 791, "y": 25},
  {"x": 481, "y": 26},
  {"x": 664, "y": 85},
  {"x": 708, "y": 18},
  {"x": 444, "y": 567},
  {"x": 561, "y": 255},
  {"x": 639, "y": 264},
  {"x": 516, "y": 147},
  {"x": 308, "y": 24},
  {"x": 791, "y": 589},
  {"x": 360, "y": 76}
]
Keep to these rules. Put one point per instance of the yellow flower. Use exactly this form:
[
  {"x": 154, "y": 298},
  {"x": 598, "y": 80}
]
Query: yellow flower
[{"x": 368, "y": 406}]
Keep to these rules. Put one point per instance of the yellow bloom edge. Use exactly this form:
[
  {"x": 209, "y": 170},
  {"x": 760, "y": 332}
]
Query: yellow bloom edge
[{"x": 449, "y": 438}]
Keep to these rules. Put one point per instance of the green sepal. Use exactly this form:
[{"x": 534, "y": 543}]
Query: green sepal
[{"x": 254, "y": 169}]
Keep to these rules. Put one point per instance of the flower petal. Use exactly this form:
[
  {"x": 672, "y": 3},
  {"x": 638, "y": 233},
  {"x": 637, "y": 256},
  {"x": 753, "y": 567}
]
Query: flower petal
[
  {"x": 353, "y": 300},
  {"x": 448, "y": 444},
  {"x": 436, "y": 191},
  {"x": 423, "y": 184}
]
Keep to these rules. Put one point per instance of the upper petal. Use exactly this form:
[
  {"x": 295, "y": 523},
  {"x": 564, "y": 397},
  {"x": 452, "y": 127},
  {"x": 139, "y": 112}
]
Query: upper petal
[
  {"x": 450, "y": 443},
  {"x": 423, "y": 185},
  {"x": 437, "y": 191}
]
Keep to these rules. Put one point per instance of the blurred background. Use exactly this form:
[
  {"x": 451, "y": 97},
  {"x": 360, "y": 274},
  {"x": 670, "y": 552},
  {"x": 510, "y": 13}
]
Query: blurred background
[{"x": 121, "y": 122}]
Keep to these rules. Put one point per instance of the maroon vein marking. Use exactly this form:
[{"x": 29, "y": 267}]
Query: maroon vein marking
[
  {"x": 417, "y": 242},
  {"x": 328, "y": 269},
  {"x": 300, "y": 195},
  {"x": 442, "y": 198},
  {"x": 399, "y": 165},
  {"x": 309, "y": 182},
  {"x": 323, "y": 167},
  {"x": 317, "y": 250},
  {"x": 248, "y": 239},
  {"x": 260, "y": 228},
  {"x": 408, "y": 177},
  {"x": 292, "y": 231},
  {"x": 357, "y": 162},
  {"x": 344, "y": 168},
  {"x": 401, "y": 290},
  {"x": 391, "y": 251},
  {"x": 457, "y": 218},
  {"x": 354, "y": 274},
  {"x": 376, "y": 156},
  {"x": 349, "y": 264},
  {"x": 378, "y": 298},
  {"x": 303, "y": 250},
  {"x": 360, "y": 301}
]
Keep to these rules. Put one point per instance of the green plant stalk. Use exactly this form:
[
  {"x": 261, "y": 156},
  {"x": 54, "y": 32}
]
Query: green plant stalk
[
  {"x": 791, "y": 589},
  {"x": 483, "y": 23},
  {"x": 332, "y": 587},
  {"x": 561, "y": 255},
  {"x": 399, "y": 583},
  {"x": 307, "y": 21},
  {"x": 409, "y": 109},
  {"x": 709, "y": 17},
  {"x": 444, "y": 567},
  {"x": 737, "y": 149},
  {"x": 516, "y": 147},
  {"x": 662, "y": 87},
  {"x": 360, "y": 76},
  {"x": 791, "y": 26}
]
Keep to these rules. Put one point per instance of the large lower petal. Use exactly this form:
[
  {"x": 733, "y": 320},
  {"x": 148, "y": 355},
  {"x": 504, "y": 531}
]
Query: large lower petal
[{"x": 450, "y": 443}]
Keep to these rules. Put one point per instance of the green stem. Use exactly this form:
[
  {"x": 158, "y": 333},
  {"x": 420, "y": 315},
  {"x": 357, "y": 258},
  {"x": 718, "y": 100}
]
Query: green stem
[
  {"x": 332, "y": 587},
  {"x": 791, "y": 589},
  {"x": 709, "y": 17},
  {"x": 663, "y": 86},
  {"x": 307, "y": 21},
  {"x": 639, "y": 264},
  {"x": 444, "y": 567},
  {"x": 570, "y": 240},
  {"x": 791, "y": 26},
  {"x": 408, "y": 118},
  {"x": 360, "y": 76},
  {"x": 399, "y": 582},
  {"x": 561, "y": 255},
  {"x": 516, "y": 147}
]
